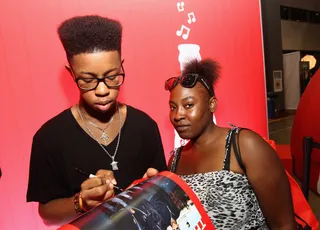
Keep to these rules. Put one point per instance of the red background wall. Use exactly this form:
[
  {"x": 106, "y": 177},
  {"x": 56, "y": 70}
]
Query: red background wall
[{"x": 35, "y": 86}]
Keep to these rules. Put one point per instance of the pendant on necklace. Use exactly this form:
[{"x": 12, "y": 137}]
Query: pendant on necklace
[
  {"x": 104, "y": 137},
  {"x": 114, "y": 165}
]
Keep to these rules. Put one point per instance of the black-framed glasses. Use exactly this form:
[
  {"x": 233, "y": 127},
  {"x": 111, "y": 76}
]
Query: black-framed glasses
[
  {"x": 91, "y": 83},
  {"x": 187, "y": 81}
]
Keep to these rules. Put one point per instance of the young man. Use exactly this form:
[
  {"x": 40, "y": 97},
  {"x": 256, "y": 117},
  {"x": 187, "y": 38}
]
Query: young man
[{"x": 98, "y": 135}]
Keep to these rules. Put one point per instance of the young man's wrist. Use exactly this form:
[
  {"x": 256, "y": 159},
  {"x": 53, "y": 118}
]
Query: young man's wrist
[{"x": 78, "y": 204}]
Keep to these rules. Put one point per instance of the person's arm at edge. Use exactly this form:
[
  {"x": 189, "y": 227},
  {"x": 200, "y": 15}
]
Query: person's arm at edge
[{"x": 269, "y": 181}]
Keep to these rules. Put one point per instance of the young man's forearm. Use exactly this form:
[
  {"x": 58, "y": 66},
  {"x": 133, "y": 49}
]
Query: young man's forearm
[{"x": 58, "y": 212}]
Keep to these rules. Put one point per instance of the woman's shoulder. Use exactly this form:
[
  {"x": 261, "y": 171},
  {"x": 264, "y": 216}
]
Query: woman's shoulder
[
  {"x": 247, "y": 134},
  {"x": 254, "y": 147}
]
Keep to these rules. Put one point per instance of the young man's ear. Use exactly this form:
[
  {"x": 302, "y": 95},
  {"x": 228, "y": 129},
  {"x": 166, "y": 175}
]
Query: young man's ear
[
  {"x": 68, "y": 68},
  {"x": 213, "y": 104}
]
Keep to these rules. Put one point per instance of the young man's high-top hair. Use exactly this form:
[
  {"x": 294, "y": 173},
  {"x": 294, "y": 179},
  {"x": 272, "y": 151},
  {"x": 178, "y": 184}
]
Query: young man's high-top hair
[{"x": 92, "y": 33}]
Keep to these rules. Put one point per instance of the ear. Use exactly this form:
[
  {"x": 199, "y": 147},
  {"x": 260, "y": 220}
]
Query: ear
[
  {"x": 68, "y": 68},
  {"x": 213, "y": 104}
]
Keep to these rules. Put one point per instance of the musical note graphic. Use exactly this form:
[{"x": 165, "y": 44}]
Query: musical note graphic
[
  {"x": 180, "y": 6},
  {"x": 185, "y": 35},
  {"x": 191, "y": 18}
]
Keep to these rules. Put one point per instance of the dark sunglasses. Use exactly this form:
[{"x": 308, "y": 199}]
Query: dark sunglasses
[{"x": 187, "y": 81}]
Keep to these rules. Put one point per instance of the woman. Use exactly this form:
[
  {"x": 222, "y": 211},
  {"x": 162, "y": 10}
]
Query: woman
[
  {"x": 236, "y": 175},
  {"x": 98, "y": 135}
]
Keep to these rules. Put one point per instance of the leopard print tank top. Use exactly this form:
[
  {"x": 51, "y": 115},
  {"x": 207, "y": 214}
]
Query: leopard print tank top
[{"x": 227, "y": 197}]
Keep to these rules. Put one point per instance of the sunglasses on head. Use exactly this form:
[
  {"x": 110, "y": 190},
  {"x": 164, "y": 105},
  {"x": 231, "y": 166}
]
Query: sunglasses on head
[{"x": 187, "y": 81}]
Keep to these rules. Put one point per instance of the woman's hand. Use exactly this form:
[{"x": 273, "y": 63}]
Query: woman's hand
[{"x": 150, "y": 173}]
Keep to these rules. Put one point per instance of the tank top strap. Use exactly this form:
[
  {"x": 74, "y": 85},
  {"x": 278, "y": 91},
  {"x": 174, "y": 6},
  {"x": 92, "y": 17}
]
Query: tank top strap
[
  {"x": 230, "y": 136},
  {"x": 175, "y": 160}
]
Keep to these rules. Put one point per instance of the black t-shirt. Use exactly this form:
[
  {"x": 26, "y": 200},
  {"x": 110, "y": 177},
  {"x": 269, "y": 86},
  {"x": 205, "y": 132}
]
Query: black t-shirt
[{"x": 61, "y": 144}]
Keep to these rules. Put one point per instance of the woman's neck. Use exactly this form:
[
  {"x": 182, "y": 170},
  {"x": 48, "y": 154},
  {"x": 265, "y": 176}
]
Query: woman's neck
[{"x": 209, "y": 135}]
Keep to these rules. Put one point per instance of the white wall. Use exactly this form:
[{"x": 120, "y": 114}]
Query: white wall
[{"x": 291, "y": 79}]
